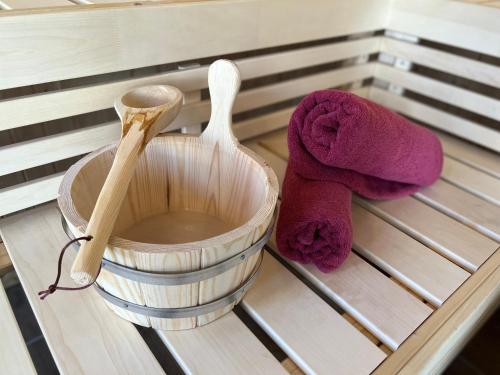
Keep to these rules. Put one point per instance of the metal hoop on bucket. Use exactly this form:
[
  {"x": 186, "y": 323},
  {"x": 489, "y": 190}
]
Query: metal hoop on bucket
[{"x": 180, "y": 278}]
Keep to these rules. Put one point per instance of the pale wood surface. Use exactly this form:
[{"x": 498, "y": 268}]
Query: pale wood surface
[
  {"x": 431, "y": 347},
  {"x": 28, "y": 4},
  {"x": 56, "y": 147},
  {"x": 433, "y": 58},
  {"x": 248, "y": 28},
  {"x": 454, "y": 240},
  {"x": 110, "y": 345},
  {"x": 450, "y": 22},
  {"x": 313, "y": 334},
  {"x": 472, "y": 211},
  {"x": 455, "y": 125},
  {"x": 470, "y": 154},
  {"x": 88, "y": 98},
  {"x": 357, "y": 287},
  {"x": 14, "y": 356},
  {"x": 421, "y": 269},
  {"x": 472, "y": 180},
  {"x": 470, "y": 100},
  {"x": 459, "y": 243},
  {"x": 144, "y": 113},
  {"x": 225, "y": 346}
]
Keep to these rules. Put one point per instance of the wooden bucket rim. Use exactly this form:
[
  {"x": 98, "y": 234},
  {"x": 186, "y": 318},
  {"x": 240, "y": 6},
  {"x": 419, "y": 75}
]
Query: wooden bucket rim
[{"x": 266, "y": 210}]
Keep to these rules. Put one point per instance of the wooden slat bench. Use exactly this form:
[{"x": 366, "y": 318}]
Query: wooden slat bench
[{"x": 424, "y": 271}]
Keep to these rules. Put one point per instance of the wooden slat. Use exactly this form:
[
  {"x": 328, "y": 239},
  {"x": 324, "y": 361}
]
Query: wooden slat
[
  {"x": 459, "y": 243},
  {"x": 442, "y": 120},
  {"x": 357, "y": 287},
  {"x": 421, "y": 269},
  {"x": 472, "y": 211},
  {"x": 29, "y": 194},
  {"x": 444, "y": 61},
  {"x": 64, "y": 145},
  {"x": 28, "y": 4},
  {"x": 313, "y": 334},
  {"x": 441, "y": 91},
  {"x": 472, "y": 180},
  {"x": 431, "y": 347},
  {"x": 54, "y": 49},
  {"x": 449, "y": 22},
  {"x": 14, "y": 356},
  {"x": 470, "y": 154},
  {"x": 416, "y": 268},
  {"x": 83, "y": 335},
  {"x": 225, "y": 346},
  {"x": 75, "y": 101}
]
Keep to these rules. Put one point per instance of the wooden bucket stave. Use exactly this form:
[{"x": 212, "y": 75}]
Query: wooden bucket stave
[{"x": 209, "y": 187}]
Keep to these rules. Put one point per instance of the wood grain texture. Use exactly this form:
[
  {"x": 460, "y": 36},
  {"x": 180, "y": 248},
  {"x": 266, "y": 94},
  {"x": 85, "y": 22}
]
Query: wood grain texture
[
  {"x": 449, "y": 22},
  {"x": 101, "y": 45},
  {"x": 438, "y": 340},
  {"x": 451, "y": 94},
  {"x": 472, "y": 180},
  {"x": 433, "y": 58},
  {"x": 14, "y": 355},
  {"x": 30, "y": 4},
  {"x": 457, "y": 242},
  {"x": 462, "y": 206},
  {"x": 225, "y": 347},
  {"x": 470, "y": 154},
  {"x": 303, "y": 325},
  {"x": 357, "y": 287},
  {"x": 421, "y": 269},
  {"x": 188, "y": 176},
  {"x": 110, "y": 344},
  {"x": 95, "y": 97},
  {"x": 455, "y": 125}
]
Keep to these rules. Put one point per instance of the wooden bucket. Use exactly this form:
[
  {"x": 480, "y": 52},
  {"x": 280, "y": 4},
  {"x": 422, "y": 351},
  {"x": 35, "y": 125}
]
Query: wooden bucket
[{"x": 188, "y": 239}]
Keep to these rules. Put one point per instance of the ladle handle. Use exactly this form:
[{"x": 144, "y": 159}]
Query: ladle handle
[
  {"x": 223, "y": 83},
  {"x": 109, "y": 202}
]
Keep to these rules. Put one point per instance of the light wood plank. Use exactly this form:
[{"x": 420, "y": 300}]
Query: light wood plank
[
  {"x": 313, "y": 335},
  {"x": 449, "y": 22},
  {"x": 110, "y": 345},
  {"x": 14, "y": 356},
  {"x": 74, "y": 101},
  {"x": 105, "y": 45},
  {"x": 5, "y": 263},
  {"x": 457, "y": 242},
  {"x": 444, "y": 61},
  {"x": 468, "y": 153},
  {"x": 421, "y": 269},
  {"x": 472, "y": 180},
  {"x": 225, "y": 346},
  {"x": 432, "y": 346},
  {"x": 385, "y": 309},
  {"x": 29, "y": 4},
  {"x": 463, "y": 128},
  {"x": 441, "y": 91},
  {"x": 29, "y": 194},
  {"x": 470, "y": 210},
  {"x": 44, "y": 150}
]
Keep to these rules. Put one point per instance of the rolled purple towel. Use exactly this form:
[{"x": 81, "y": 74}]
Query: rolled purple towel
[{"x": 336, "y": 137}]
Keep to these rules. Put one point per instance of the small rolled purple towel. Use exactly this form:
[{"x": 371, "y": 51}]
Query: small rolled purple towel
[{"x": 339, "y": 142}]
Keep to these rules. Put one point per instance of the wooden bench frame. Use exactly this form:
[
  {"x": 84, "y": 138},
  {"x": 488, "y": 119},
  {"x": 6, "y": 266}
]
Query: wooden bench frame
[{"x": 49, "y": 94}]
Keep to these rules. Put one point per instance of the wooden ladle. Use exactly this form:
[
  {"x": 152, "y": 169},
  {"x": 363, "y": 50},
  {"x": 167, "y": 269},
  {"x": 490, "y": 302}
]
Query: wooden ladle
[{"x": 144, "y": 112}]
